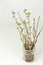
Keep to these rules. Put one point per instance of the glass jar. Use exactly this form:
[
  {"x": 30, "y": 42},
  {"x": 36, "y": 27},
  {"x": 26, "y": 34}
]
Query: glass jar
[{"x": 28, "y": 55}]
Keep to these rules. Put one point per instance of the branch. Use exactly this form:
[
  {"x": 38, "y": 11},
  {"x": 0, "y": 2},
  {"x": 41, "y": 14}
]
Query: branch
[
  {"x": 19, "y": 16},
  {"x": 27, "y": 14},
  {"x": 24, "y": 23},
  {"x": 39, "y": 33},
  {"x": 37, "y": 24},
  {"x": 34, "y": 32}
]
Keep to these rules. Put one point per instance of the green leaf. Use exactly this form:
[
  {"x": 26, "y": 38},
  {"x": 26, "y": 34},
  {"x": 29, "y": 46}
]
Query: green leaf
[
  {"x": 13, "y": 12},
  {"x": 28, "y": 14},
  {"x": 23, "y": 22},
  {"x": 20, "y": 29},
  {"x": 24, "y": 10},
  {"x": 13, "y": 16},
  {"x": 18, "y": 23}
]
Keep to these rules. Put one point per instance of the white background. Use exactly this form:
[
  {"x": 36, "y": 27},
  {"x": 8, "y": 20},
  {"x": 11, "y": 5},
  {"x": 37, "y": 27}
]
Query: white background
[{"x": 10, "y": 44}]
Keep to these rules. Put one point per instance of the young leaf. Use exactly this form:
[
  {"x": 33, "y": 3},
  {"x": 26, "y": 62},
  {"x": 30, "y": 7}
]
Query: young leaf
[
  {"x": 24, "y": 10},
  {"x": 18, "y": 23},
  {"x": 28, "y": 14}
]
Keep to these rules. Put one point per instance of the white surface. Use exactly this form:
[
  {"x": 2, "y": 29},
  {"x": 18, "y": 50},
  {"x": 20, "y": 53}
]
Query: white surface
[{"x": 10, "y": 44}]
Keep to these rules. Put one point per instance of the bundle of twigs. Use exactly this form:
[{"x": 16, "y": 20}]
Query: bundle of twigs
[{"x": 25, "y": 30}]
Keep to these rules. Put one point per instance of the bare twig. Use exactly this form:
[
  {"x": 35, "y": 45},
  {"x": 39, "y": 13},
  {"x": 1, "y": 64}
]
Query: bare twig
[
  {"x": 19, "y": 16},
  {"x": 39, "y": 33},
  {"x": 34, "y": 32},
  {"x": 37, "y": 24},
  {"x": 34, "y": 25}
]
